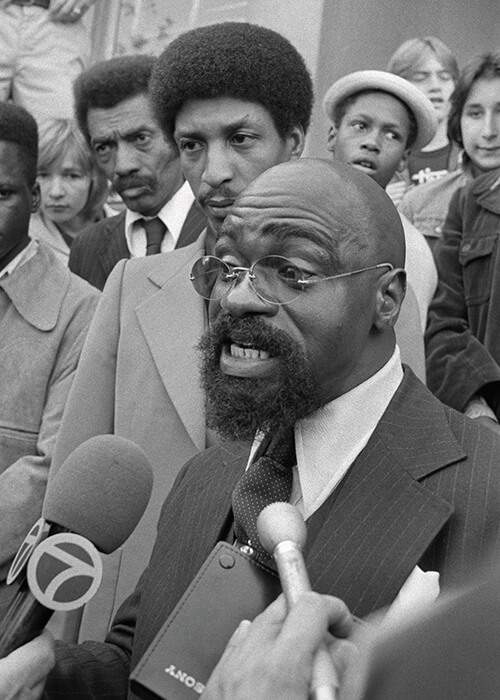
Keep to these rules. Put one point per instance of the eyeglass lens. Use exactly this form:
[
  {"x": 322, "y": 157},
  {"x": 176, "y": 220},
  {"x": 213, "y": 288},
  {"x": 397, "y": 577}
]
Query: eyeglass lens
[{"x": 274, "y": 278}]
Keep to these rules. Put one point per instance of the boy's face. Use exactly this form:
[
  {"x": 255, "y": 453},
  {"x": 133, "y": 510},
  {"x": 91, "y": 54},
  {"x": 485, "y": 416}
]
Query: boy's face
[
  {"x": 18, "y": 199},
  {"x": 372, "y": 136}
]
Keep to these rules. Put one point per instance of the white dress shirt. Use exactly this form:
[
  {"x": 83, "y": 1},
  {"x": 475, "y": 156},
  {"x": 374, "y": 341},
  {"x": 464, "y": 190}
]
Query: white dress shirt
[
  {"x": 328, "y": 441},
  {"x": 173, "y": 214}
]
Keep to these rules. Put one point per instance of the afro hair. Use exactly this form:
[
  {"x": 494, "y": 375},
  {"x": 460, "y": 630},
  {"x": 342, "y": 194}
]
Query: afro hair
[
  {"x": 19, "y": 127},
  {"x": 108, "y": 83},
  {"x": 233, "y": 59}
]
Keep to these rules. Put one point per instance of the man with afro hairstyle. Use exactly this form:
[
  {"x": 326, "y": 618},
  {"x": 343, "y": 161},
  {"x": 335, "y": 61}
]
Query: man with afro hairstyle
[
  {"x": 114, "y": 113},
  {"x": 139, "y": 376},
  {"x": 44, "y": 314}
]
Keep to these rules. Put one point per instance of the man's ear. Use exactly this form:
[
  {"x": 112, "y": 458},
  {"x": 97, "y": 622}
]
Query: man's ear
[
  {"x": 35, "y": 197},
  {"x": 296, "y": 140},
  {"x": 332, "y": 137},
  {"x": 404, "y": 161},
  {"x": 390, "y": 294}
]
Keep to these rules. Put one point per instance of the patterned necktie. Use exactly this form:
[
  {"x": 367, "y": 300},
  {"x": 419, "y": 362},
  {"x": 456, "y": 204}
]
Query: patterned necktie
[
  {"x": 155, "y": 231},
  {"x": 267, "y": 480}
]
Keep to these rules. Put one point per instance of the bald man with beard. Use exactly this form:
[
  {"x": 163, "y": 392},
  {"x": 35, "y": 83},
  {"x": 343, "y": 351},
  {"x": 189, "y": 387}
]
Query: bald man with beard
[{"x": 304, "y": 288}]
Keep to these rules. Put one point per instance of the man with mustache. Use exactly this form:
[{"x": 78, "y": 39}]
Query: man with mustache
[
  {"x": 114, "y": 113},
  {"x": 306, "y": 276},
  {"x": 238, "y": 100}
]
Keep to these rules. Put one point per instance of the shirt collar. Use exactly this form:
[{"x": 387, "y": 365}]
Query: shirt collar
[
  {"x": 173, "y": 214},
  {"x": 328, "y": 441}
]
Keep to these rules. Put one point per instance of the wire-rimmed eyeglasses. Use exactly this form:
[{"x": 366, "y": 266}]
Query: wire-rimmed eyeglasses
[{"x": 275, "y": 279}]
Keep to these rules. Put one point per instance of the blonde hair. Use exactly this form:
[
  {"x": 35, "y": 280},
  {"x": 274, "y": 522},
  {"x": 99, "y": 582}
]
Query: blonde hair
[
  {"x": 57, "y": 138},
  {"x": 409, "y": 54}
]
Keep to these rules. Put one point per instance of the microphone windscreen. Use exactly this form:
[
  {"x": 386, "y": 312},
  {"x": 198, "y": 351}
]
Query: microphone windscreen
[
  {"x": 100, "y": 491},
  {"x": 280, "y": 522}
]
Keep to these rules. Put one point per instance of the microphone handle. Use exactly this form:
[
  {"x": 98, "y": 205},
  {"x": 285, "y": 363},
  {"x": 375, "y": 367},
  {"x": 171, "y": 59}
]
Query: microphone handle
[
  {"x": 25, "y": 618},
  {"x": 294, "y": 581}
]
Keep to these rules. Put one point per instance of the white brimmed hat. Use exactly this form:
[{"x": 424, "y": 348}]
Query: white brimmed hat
[{"x": 413, "y": 98}]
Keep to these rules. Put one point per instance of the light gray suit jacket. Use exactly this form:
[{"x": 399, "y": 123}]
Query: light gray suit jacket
[{"x": 138, "y": 378}]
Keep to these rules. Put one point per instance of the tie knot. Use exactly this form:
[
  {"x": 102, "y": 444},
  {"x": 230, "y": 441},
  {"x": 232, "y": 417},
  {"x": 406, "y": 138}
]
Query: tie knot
[{"x": 155, "y": 231}]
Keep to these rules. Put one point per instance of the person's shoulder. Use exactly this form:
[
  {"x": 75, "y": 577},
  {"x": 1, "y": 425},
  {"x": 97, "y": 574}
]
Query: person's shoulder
[
  {"x": 481, "y": 445},
  {"x": 420, "y": 196},
  {"x": 159, "y": 268},
  {"x": 94, "y": 231}
]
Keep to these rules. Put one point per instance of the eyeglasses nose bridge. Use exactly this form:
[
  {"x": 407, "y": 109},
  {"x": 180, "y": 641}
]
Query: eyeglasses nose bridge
[{"x": 236, "y": 276}]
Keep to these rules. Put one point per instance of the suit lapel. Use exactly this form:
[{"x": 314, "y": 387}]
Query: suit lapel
[
  {"x": 206, "y": 490},
  {"x": 210, "y": 491},
  {"x": 382, "y": 518},
  {"x": 193, "y": 225},
  {"x": 172, "y": 321},
  {"x": 114, "y": 245}
]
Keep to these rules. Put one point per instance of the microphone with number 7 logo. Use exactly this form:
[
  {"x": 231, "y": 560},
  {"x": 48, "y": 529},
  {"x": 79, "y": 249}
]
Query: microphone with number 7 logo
[{"x": 93, "y": 503}]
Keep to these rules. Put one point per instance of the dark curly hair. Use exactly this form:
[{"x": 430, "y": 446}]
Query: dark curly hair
[
  {"x": 485, "y": 66},
  {"x": 19, "y": 127},
  {"x": 108, "y": 83},
  {"x": 233, "y": 59}
]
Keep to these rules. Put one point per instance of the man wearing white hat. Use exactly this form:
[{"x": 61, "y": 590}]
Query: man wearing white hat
[{"x": 377, "y": 119}]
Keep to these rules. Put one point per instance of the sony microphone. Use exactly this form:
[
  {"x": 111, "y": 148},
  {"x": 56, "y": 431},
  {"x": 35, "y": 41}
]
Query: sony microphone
[
  {"x": 93, "y": 502},
  {"x": 282, "y": 533}
]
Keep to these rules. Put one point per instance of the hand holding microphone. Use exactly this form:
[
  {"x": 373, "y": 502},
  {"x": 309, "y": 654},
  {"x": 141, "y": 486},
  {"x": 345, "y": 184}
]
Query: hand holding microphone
[
  {"x": 282, "y": 533},
  {"x": 93, "y": 503}
]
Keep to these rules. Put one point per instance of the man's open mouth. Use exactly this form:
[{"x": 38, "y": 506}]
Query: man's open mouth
[{"x": 248, "y": 352}]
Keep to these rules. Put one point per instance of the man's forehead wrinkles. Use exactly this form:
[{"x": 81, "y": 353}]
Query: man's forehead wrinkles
[{"x": 292, "y": 214}]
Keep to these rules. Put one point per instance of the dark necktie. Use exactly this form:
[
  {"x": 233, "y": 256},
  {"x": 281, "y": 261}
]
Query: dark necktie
[
  {"x": 155, "y": 231},
  {"x": 267, "y": 480}
]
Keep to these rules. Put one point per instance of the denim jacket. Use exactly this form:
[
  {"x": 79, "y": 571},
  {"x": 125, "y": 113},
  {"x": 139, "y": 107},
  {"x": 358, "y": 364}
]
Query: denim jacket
[
  {"x": 426, "y": 206},
  {"x": 463, "y": 332}
]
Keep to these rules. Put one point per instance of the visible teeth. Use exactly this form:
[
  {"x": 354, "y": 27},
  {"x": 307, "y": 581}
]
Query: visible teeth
[{"x": 248, "y": 353}]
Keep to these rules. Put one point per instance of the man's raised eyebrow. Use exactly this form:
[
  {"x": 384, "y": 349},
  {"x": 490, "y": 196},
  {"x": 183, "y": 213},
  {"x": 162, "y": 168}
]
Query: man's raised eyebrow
[
  {"x": 283, "y": 229},
  {"x": 114, "y": 135}
]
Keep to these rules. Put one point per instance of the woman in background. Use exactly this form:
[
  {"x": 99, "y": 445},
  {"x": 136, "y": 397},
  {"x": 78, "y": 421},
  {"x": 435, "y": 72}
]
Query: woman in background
[
  {"x": 73, "y": 190},
  {"x": 429, "y": 65},
  {"x": 463, "y": 332}
]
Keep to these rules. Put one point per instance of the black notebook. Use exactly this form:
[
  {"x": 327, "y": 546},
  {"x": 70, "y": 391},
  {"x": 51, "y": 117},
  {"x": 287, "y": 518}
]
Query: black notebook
[{"x": 229, "y": 587}]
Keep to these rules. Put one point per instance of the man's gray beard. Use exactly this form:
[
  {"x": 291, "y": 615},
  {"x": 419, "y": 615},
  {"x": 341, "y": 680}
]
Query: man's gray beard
[{"x": 238, "y": 407}]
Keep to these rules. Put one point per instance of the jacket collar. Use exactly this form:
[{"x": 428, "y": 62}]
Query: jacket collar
[
  {"x": 37, "y": 288},
  {"x": 176, "y": 359},
  {"x": 486, "y": 189},
  {"x": 382, "y": 519},
  {"x": 113, "y": 245}
]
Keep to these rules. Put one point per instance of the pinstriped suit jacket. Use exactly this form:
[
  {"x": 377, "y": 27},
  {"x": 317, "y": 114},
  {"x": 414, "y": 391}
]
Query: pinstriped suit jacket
[
  {"x": 425, "y": 490},
  {"x": 97, "y": 249}
]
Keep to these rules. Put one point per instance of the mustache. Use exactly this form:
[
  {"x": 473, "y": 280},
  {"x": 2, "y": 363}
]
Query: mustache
[
  {"x": 221, "y": 192},
  {"x": 124, "y": 183},
  {"x": 247, "y": 331}
]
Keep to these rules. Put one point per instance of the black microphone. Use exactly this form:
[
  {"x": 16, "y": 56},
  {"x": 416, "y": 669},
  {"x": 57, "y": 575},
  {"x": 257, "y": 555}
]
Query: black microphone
[
  {"x": 99, "y": 493},
  {"x": 282, "y": 533}
]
